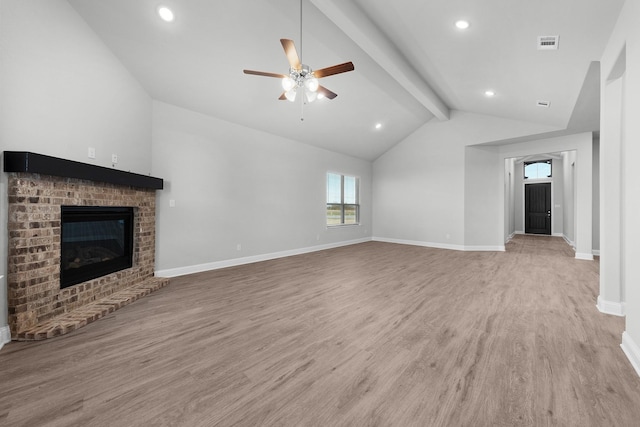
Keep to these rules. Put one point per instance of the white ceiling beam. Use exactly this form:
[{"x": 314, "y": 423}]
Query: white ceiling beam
[{"x": 355, "y": 24}]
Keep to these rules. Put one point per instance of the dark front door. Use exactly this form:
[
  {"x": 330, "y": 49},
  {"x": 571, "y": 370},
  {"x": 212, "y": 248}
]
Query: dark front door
[{"x": 537, "y": 208}]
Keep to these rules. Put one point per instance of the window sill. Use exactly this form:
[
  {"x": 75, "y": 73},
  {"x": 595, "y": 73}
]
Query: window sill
[{"x": 329, "y": 227}]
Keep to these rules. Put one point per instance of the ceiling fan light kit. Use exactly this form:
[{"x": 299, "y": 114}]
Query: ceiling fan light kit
[{"x": 300, "y": 79}]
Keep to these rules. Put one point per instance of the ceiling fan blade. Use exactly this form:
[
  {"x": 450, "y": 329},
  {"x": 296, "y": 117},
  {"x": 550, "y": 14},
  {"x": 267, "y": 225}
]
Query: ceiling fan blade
[
  {"x": 263, "y": 73},
  {"x": 336, "y": 69},
  {"x": 283, "y": 97},
  {"x": 326, "y": 92},
  {"x": 292, "y": 55}
]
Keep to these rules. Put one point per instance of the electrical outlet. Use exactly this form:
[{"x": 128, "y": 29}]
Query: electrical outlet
[
  {"x": 172, "y": 203},
  {"x": 91, "y": 153},
  {"x": 239, "y": 247},
  {"x": 114, "y": 158}
]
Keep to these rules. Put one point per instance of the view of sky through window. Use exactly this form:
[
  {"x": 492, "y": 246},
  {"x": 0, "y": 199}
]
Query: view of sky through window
[
  {"x": 350, "y": 190},
  {"x": 538, "y": 169},
  {"x": 334, "y": 190}
]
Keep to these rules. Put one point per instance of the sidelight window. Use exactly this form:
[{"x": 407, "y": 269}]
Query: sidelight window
[
  {"x": 343, "y": 206},
  {"x": 538, "y": 169}
]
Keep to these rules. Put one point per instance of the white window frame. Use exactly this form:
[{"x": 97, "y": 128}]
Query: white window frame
[{"x": 342, "y": 204}]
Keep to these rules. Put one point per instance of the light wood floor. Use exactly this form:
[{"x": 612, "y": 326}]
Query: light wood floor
[{"x": 374, "y": 334}]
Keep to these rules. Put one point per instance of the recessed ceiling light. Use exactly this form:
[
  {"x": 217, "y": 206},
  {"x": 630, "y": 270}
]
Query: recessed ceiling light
[
  {"x": 462, "y": 24},
  {"x": 166, "y": 14},
  {"x": 378, "y": 125},
  {"x": 489, "y": 93}
]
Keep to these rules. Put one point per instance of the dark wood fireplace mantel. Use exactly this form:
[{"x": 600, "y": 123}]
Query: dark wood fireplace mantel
[{"x": 24, "y": 161}]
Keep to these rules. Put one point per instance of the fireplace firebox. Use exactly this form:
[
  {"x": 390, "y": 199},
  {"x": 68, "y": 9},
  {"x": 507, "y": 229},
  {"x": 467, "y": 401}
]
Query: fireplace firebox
[{"x": 95, "y": 241}]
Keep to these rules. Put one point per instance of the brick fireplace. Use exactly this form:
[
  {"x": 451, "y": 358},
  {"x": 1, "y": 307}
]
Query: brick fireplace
[{"x": 38, "y": 186}]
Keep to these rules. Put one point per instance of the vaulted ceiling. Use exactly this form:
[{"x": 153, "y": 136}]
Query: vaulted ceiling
[{"x": 412, "y": 64}]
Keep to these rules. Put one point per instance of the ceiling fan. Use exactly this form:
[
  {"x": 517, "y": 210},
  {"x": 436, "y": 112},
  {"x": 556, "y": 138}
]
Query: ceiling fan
[{"x": 301, "y": 77}]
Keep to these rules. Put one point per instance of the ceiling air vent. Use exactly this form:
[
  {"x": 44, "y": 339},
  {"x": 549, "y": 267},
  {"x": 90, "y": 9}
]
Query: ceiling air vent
[
  {"x": 544, "y": 104},
  {"x": 548, "y": 42}
]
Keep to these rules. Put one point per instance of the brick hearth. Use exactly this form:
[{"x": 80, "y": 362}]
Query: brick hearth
[
  {"x": 86, "y": 314},
  {"x": 38, "y": 308}
]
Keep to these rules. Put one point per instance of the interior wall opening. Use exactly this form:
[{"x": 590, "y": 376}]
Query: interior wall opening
[{"x": 546, "y": 178}]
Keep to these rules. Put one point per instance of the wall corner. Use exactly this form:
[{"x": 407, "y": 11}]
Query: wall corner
[{"x": 5, "y": 336}]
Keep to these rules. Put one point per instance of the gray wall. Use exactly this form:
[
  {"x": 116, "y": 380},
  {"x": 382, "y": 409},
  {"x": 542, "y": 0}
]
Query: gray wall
[
  {"x": 236, "y": 186},
  {"x": 596, "y": 194},
  {"x": 558, "y": 198},
  {"x": 63, "y": 91},
  {"x": 509, "y": 198},
  {"x": 427, "y": 192},
  {"x": 620, "y": 175},
  {"x": 419, "y": 188},
  {"x": 611, "y": 150},
  {"x": 482, "y": 230},
  {"x": 569, "y": 181}
]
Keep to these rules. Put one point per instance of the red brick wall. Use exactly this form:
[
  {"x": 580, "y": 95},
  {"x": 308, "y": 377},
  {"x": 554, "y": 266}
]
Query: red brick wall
[{"x": 33, "y": 273}]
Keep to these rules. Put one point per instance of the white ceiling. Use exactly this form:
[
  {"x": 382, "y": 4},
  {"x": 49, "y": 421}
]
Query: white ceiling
[{"x": 411, "y": 64}]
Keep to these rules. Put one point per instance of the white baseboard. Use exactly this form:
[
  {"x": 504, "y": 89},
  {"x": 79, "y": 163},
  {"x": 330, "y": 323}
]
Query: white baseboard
[
  {"x": 596, "y": 252},
  {"x": 579, "y": 255},
  {"x": 569, "y": 241},
  {"x": 420, "y": 243},
  {"x": 610, "y": 307},
  {"x": 500, "y": 248},
  {"x": 180, "y": 271},
  {"x": 548, "y": 235},
  {"x": 448, "y": 246},
  {"x": 632, "y": 350},
  {"x": 5, "y": 336}
]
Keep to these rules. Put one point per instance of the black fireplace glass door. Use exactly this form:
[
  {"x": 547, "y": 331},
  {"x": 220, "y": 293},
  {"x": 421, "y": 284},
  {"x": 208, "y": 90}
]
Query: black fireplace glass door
[{"x": 96, "y": 241}]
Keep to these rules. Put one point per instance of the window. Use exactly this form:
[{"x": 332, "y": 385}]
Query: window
[
  {"x": 538, "y": 169},
  {"x": 342, "y": 199}
]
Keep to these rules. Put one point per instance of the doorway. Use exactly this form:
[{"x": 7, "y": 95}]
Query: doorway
[{"x": 537, "y": 206}]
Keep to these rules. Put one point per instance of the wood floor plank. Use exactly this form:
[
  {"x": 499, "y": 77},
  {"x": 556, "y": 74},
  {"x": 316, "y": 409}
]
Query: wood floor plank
[{"x": 374, "y": 334}]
